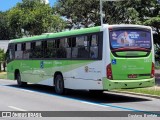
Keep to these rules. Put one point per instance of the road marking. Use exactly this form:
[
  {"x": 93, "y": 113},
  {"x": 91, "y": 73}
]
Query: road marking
[{"x": 16, "y": 108}]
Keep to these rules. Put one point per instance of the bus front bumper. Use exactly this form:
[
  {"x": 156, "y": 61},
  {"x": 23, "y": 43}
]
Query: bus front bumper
[{"x": 122, "y": 84}]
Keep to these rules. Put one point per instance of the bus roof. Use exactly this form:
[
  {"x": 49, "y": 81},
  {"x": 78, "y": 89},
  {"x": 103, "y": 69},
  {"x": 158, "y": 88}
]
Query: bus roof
[
  {"x": 73, "y": 32},
  {"x": 59, "y": 34}
]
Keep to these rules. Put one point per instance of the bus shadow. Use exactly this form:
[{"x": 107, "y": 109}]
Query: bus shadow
[{"x": 106, "y": 98}]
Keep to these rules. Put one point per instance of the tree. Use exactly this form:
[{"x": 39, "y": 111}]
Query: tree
[
  {"x": 153, "y": 19},
  {"x": 15, "y": 21},
  {"x": 5, "y": 31},
  {"x": 79, "y": 13},
  {"x": 85, "y": 13},
  {"x": 2, "y": 57},
  {"x": 33, "y": 17}
]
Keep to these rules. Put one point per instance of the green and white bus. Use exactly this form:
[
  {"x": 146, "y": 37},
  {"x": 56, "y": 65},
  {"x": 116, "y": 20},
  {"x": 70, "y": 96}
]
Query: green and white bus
[{"x": 96, "y": 59}]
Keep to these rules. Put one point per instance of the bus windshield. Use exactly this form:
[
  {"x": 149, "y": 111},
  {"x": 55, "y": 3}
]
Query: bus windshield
[{"x": 130, "y": 39}]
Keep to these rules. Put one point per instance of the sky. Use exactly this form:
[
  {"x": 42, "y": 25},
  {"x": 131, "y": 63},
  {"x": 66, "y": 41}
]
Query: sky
[{"x": 7, "y": 4}]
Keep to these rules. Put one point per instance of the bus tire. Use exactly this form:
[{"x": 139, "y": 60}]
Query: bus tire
[
  {"x": 59, "y": 84},
  {"x": 19, "y": 82}
]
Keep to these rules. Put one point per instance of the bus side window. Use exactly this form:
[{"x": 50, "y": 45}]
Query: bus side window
[
  {"x": 69, "y": 48},
  {"x": 80, "y": 47},
  {"x": 32, "y": 51},
  {"x": 38, "y": 50},
  {"x": 94, "y": 46},
  {"x": 23, "y": 49},
  {"x": 50, "y": 49},
  {"x": 83, "y": 46},
  {"x": 26, "y": 50},
  {"x": 18, "y": 51},
  {"x": 61, "y": 49},
  {"x": 10, "y": 53},
  {"x": 74, "y": 48}
]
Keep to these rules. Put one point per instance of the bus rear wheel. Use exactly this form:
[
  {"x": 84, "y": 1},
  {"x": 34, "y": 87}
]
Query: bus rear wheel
[
  {"x": 59, "y": 84},
  {"x": 19, "y": 82}
]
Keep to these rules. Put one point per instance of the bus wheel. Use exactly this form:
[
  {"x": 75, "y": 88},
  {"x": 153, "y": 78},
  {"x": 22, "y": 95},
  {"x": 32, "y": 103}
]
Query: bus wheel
[
  {"x": 59, "y": 84},
  {"x": 19, "y": 82}
]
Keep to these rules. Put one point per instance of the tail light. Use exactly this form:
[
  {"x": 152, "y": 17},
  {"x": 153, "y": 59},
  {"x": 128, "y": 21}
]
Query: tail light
[
  {"x": 152, "y": 70},
  {"x": 109, "y": 72}
]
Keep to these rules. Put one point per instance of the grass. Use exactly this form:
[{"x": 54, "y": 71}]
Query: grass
[
  {"x": 150, "y": 91},
  {"x": 3, "y": 75}
]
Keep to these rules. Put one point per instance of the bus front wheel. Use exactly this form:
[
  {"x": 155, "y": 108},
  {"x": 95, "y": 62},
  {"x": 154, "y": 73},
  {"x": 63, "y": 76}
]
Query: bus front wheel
[
  {"x": 59, "y": 84},
  {"x": 19, "y": 82}
]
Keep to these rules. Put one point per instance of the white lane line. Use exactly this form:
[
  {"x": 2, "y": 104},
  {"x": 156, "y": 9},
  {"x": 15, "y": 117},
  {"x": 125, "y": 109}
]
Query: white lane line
[{"x": 16, "y": 108}]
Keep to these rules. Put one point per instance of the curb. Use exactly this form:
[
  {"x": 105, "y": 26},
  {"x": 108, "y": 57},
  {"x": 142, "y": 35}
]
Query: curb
[{"x": 133, "y": 93}]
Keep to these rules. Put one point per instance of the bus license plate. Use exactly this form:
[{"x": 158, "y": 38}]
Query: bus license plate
[{"x": 132, "y": 76}]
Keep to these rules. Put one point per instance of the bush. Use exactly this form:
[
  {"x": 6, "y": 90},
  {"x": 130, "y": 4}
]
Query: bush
[{"x": 2, "y": 58}]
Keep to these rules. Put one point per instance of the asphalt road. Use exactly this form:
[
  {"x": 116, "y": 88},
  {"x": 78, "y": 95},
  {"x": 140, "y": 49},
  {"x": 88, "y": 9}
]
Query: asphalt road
[{"x": 43, "y": 98}]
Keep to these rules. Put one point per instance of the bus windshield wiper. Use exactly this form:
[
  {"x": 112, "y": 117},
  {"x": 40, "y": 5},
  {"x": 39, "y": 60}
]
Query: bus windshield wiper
[{"x": 130, "y": 49}]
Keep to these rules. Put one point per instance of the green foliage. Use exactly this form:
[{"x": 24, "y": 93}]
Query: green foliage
[
  {"x": 32, "y": 17},
  {"x": 2, "y": 55},
  {"x": 77, "y": 13},
  {"x": 153, "y": 19},
  {"x": 15, "y": 21},
  {"x": 155, "y": 22},
  {"x": 3, "y": 75},
  {"x": 3, "y": 26},
  {"x": 5, "y": 31},
  {"x": 85, "y": 13}
]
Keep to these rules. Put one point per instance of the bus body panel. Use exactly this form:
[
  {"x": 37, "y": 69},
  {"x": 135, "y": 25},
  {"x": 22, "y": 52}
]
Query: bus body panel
[
  {"x": 74, "y": 72},
  {"x": 131, "y": 68},
  {"x": 86, "y": 76},
  {"x": 124, "y": 84}
]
